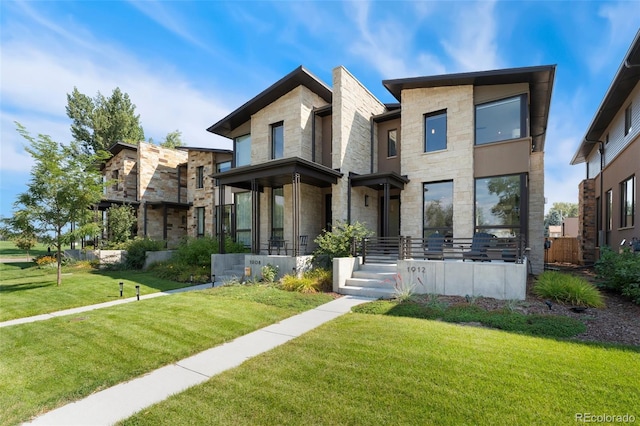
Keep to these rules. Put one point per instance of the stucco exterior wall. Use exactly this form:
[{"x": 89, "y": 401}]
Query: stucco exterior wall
[
  {"x": 353, "y": 106},
  {"x": 455, "y": 163}
]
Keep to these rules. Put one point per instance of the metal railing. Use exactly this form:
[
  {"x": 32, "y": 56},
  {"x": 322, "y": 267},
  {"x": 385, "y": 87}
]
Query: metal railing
[{"x": 391, "y": 249}]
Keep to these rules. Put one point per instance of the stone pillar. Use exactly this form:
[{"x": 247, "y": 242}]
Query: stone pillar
[
  {"x": 587, "y": 221},
  {"x": 536, "y": 212}
]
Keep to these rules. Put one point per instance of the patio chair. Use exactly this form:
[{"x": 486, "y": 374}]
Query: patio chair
[
  {"x": 479, "y": 244},
  {"x": 277, "y": 244},
  {"x": 303, "y": 243},
  {"x": 433, "y": 246}
]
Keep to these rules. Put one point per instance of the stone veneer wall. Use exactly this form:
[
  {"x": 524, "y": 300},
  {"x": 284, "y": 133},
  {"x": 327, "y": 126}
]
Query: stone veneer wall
[
  {"x": 158, "y": 181},
  {"x": 125, "y": 163},
  {"x": 587, "y": 226},
  {"x": 353, "y": 106},
  {"x": 455, "y": 163},
  {"x": 536, "y": 212},
  {"x": 201, "y": 197}
]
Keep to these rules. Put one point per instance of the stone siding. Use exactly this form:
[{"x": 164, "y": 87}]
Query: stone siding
[
  {"x": 125, "y": 189},
  {"x": 536, "y": 212},
  {"x": 454, "y": 163},
  {"x": 587, "y": 226},
  {"x": 353, "y": 106},
  {"x": 201, "y": 197}
]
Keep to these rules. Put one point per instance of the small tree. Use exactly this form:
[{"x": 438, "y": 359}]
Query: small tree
[
  {"x": 65, "y": 183},
  {"x": 19, "y": 230},
  {"x": 120, "y": 223}
]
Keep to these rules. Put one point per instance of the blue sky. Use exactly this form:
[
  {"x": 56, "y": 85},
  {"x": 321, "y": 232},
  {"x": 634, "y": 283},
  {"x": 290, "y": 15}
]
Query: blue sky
[{"x": 186, "y": 64}]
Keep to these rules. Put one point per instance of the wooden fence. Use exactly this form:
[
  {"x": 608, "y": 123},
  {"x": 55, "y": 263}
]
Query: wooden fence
[{"x": 562, "y": 250}]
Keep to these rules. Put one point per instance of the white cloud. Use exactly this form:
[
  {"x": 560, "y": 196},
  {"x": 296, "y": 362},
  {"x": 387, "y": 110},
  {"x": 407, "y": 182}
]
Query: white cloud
[{"x": 471, "y": 41}]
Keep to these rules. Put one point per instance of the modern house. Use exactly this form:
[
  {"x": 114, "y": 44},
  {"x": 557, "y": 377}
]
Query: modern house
[
  {"x": 610, "y": 149},
  {"x": 458, "y": 154},
  {"x": 153, "y": 180}
]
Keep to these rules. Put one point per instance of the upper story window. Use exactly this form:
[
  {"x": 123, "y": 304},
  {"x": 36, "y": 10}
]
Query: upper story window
[
  {"x": 501, "y": 120},
  {"x": 627, "y": 202},
  {"x": 223, "y": 166},
  {"x": 392, "y": 148},
  {"x": 199, "y": 177},
  {"x": 277, "y": 140},
  {"x": 435, "y": 135},
  {"x": 242, "y": 150},
  {"x": 627, "y": 120}
]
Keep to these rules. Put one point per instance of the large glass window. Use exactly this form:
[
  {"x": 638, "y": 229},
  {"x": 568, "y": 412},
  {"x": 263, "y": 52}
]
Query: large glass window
[
  {"x": 199, "y": 177},
  {"x": 243, "y": 218},
  {"x": 392, "y": 149},
  {"x": 277, "y": 140},
  {"x": 277, "y": 213},
  {"x": 500, "y": 206},
  {"x": 200, "y": 221},
  {"x": 223, "y": 218},
  {"x": 501, "y": 120},
  {"x": 435, "y": 135},
  {"x": 242, "y": 150},
  {"x": 223, "y": 166},
  {"x": 627, "y": 202},
  {"x": 438, "y": 208}
]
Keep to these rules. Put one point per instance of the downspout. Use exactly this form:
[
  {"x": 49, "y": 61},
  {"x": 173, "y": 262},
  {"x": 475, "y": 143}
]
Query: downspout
[
  {"x": 371, "y": 147},
  {"x": 602, "y": 201},
  {"x": 313, "y": 134}
]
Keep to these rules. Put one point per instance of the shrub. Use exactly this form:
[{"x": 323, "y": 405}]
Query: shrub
[
  {"x": 181, "y": 272},
  {"x": 45, "y": 261},
  {"x": 302, "y": 284},
  {"x": 196, "y": 251},
  {"x": 337, "y": 243},
  {"x": 565, "y": 288},
  {"x": 137, "y": 249},
  {"x": 324, "y": 278},
  {"x": 121, "y": 222},
  {"x": 619, "y": 272},
  {"x": 269, "y": 273}
]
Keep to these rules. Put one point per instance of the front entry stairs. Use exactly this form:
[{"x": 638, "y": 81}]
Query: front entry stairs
[{"x": 376, "y": 280}]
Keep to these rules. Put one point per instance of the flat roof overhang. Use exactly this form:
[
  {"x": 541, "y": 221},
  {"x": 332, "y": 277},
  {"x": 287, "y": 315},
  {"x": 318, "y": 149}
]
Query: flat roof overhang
[
  {"x": 105, "y": 204},
  {"x": 539, "y": 78},
  {"x": 377, "y": 180},
  {"x": 298, "y": 77},
  {"x": 625, "y": 80},
  {"x": 279, "y": 173}
]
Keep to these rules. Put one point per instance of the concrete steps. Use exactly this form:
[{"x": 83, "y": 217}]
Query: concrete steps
[{"x": 372, "y": 280}]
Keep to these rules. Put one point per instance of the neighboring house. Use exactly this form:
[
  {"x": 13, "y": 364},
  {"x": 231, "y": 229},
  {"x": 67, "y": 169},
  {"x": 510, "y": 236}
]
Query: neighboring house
[
  {"x": 458, "y": 154},
  {"x": 568, "y": 228},
  {"x": 153, "y": 180},
  {"x": 610, "y": 149}
]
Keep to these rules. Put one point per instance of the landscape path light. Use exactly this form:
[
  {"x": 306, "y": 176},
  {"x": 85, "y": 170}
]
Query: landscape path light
[
  {"x": 121, "y": 288},
  {"x": 138, "y": 292}
]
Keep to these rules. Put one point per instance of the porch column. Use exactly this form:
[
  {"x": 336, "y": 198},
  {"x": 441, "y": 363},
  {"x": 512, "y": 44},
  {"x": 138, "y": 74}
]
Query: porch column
[
  {"x": 220, "y": 219},
  {"x": 296, "y": 213},
  {"x": 255, "y": 217},
  {"x": 349, "y": 199},
  {"x": 164, "y": 224},
  {"x": 385, "y": 211}
]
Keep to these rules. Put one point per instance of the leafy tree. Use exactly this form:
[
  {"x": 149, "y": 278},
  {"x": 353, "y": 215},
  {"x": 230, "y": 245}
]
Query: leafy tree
[
  {"x": 558, "y": 212},
  {"x": 173, "y": 140},
  {"x": 65, "y": 183},
  {"x": 121, "y": 221},
  {"x": 20, "y": 231},
  {"x": 100, "y": 122}
]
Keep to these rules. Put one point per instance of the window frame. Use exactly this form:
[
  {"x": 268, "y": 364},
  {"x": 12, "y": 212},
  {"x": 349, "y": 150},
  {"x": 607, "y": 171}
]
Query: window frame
[
  {"x": 628, "y": 119},
  {"x": 524, "y": 113},
  {"x": 220, "y": 168},
  {"x": 277, "y": 229},
  {"x": 240, "y": 215},
  {"x": 446, "y": 231},
  {"x": 608, "y": 210},
  {"x": 115, "y": 176},
  {"x": 239, "y": 140},
  {"x": 392, "y": 142},
  {"x": 200, "y": 219},
  {"x": 627, "y": 202},
  {"x": 200, "y": 177},
  {"x": 277, "y": 140},
  {"x": 521, "y": 227},
  {"x": 430, "y": 117}
]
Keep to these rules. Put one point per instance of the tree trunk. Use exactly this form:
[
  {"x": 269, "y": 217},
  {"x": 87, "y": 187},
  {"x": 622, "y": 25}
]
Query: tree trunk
[{"x": 59, "y": 260}]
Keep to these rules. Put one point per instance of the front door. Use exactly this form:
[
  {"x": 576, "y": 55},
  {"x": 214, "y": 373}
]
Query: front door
[{"x": 394, "y": 217}]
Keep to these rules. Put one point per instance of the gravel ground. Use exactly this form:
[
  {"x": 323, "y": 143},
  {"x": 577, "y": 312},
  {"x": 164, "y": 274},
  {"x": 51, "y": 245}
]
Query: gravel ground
[{"x": 618, "y": 322}]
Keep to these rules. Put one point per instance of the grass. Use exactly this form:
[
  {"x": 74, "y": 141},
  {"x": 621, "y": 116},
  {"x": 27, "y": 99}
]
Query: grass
[
  {"x": 50, "y": 363},
  {"x": 27, "y": 290},
  {"x": 9, "y": 250},
  {"x": 535, "y": 325},
  {"x": 566, "y": 288},
  {"x": 384, "y": 370}
]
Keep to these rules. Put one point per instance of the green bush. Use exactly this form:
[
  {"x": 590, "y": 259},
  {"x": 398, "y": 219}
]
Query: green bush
[
  {"x": 300, "y": 284},
  {"x": 619, "y": 272},
  {"x": 337, "y": 243},
  {"x": 565, "y": 288},
  {"x": 181, "y": 272},
  {"x": 137, "y": 249},
  {"x": 269, "y": 273},
  {"x": 324, "y": 278},
  {"x": 195, "y": 251}
]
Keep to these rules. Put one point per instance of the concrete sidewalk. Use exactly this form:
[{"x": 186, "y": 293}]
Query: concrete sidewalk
[
  {"x": 123, "y": 400},
  {"x": 80, "y": 309}
]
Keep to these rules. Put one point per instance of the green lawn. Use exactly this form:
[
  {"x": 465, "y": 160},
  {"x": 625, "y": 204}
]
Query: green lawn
[
  {"x": 369, "y": 369},
  {"x": 9, "y": 250},
  {"x": 26, "y": 290},
  {"x": 47, "y": 364}
]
